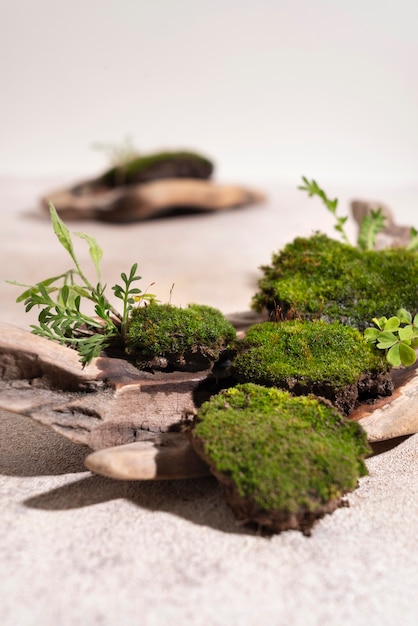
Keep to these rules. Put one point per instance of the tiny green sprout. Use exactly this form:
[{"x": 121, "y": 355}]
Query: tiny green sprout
[
  {"x": 60, "y": 299},
  {"x": 120, "y": 155},
  {"x": 398, "y": 336},
  {"x": 313, "y": 189},
  {"x": 413, "y": 240},
  {"x": 371, "y": 225}
]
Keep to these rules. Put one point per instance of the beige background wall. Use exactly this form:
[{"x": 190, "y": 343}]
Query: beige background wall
[{"x": 271, "y": 89}]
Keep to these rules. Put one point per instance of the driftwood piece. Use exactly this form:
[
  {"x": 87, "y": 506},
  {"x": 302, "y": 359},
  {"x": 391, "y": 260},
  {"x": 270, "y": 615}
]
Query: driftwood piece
[
  {"x": 393, "y": 235},
  {"x": 137, "y": 202},
  {"x": 168, "y": 456},
  {"x": 110, "y": 404},
  {"x": 395, "y": 416}
]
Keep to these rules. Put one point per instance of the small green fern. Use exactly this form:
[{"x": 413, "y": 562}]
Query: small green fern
[
  {"x": 60, "y": 298},
  {"x": 371, "y": 225}
]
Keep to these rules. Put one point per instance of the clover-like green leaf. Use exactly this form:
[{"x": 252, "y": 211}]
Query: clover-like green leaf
[
  {"x": 380, "y": 322},
  {"x": 404, "y": 316},
  {"x": 407, "y": 355},
  {"x": 393, "y": 355},
  {"x": 406, "y": 333},
  {"x": 371, "y": 334},
  {"x": 386, "y": 340},
  {"x": 392, "y": 324}
]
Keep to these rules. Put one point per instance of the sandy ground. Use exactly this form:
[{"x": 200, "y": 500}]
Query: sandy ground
[{"x": 80, "y": 549}]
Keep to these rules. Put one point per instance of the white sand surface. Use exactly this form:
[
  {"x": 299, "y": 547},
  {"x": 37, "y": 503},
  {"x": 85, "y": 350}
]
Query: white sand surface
[{"x": 78, "y": 549}]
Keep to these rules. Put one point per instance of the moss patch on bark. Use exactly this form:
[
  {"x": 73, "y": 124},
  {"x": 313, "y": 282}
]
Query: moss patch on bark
[
  {"x": 181, "y": 164},
  {"x": 329, "y": 360},
  {"x": 284, "y": 461},
  {"x": 163, "y": 336},
  {"x": 321, "y": 278}
]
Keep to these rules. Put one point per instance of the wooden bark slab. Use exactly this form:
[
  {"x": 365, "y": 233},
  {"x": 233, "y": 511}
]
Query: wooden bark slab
[
  {"x": 137, "y": 202},
  {"x": 110, "y": 405}
]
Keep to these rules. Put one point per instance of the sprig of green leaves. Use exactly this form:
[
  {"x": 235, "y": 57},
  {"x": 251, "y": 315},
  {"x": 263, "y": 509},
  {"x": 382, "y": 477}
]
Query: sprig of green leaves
[
  {"x": 313, "y": 189},
  {"x": 60, "y": 298},
  {"x": 120, "y": 155},
  {"x": 371, "y": 225},
  {"x": 413, "y": 242},
  {"x": 398, "y": 336},
  {"x": 130, "y": 295}
]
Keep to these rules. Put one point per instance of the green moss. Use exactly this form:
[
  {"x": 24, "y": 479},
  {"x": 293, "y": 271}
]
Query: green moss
[
  {"x": 191, "y": 338},
  {"x": 285, "y": 456},
  {"x": 321, "y": 278},
  {"x": 285, "y": 354},
  {"x": 159, "y": 165}
]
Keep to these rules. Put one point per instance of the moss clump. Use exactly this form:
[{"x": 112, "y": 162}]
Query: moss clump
[
  {"x": 284, "y": 461},
  {"x": 162, "y": 335},
  {"x": 329, "y": 360},
  {"x": 321, "y": 278},
  {"x": 159, "y": 165}
]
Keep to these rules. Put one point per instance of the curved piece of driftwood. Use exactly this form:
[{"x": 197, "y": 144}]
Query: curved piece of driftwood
[
  {"x": 169, "y": 456},
  {"x": 137, "y": 202},
  {"x": 396, "y": 415}
]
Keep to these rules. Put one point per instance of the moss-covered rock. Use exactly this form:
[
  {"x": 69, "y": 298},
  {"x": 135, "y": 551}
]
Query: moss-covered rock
[
  {"x": 284, "y": 461},
  {"x": 329, "y": 360},
  {"x": 159, "y": 165},
  {"x": 163, "y": 336},
  {"x": 321, "y": 278}
]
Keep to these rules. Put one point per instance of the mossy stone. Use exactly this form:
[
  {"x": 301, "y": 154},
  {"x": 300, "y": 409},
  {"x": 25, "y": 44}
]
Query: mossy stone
[
  {"x": 284, "y": 461},
  {"x": 162, "y": 335},
  {"x": 329, "y": 360},
  {"x": 321, "y": 278},
  {"x": 144, "y": 168}
]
